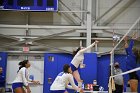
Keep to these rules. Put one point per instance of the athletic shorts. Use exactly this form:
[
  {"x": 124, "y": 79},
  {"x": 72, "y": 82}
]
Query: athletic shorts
[
  {"x": 73, "y": 68},
  {"x": 17, "y": 85},
  {"x": 57, "y": 91}
]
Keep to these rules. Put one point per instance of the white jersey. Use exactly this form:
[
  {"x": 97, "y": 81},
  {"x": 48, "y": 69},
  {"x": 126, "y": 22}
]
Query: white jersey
[
  {"x": 62, "y": 80},
  {"x": 79, "y": 57},
  {"x": 22, "y": 76}
]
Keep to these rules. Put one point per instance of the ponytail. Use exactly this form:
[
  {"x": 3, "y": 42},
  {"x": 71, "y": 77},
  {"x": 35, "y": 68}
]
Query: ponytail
[
  {"x": 22, "y": 64},
  {"x": 75, "y": 52}
]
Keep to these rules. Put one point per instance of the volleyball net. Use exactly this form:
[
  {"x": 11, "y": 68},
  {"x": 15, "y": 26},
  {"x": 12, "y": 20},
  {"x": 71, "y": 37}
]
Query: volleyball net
[{"x": 119, "y": 43}]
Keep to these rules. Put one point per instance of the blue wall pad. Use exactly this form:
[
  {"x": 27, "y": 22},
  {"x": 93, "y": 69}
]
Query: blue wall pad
[
  {"x": 3, "y": 62},
  {"x": 54, "y": 63},
  {"x": 98, "y": 69},
  {"x": 89, "y": 73},
  {"x": 103, "y": 69}
]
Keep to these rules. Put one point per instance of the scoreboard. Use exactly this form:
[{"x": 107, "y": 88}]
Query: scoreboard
[{"x": 29, "y": 5}]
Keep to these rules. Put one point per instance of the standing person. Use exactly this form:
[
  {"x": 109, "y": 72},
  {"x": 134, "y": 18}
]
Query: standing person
[
  {"x": 132, "y": 58},
  {"x": 2, "y": 81},
  {"x": 21, "y": 79},
  {"x": 119, "y": 82},
  {"x": 78, "y": 60},
  {"x": 62, "y": 80}
]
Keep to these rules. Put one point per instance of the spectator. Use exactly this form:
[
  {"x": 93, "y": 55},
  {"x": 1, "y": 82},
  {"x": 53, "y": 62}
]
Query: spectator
[
  {"x": 2, "y": 81},
  {"x": 118, "y": 79}
]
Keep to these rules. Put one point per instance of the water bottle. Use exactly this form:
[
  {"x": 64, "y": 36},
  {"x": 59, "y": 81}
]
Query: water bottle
[
  {"x": 101, "y": 88},
  {"x": 83, "y": 86}
]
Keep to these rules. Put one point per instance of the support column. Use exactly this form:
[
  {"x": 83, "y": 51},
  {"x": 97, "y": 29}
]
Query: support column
[{"x": 89, "y": 23}]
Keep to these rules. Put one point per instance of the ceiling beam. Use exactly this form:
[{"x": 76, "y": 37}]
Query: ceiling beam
[
  {"x": 35, "y": 39},
  {"x": 108, "y": 11},
  {"x": 41, "y": 26},
  {"x": 53, "y": 35},
  {"x": 61, "y": 27},
  {"x": 74, "y": 15},
  {"x": 9, "y": 37},
  {"x": 118, "y": 12},
  {"x": 52, "y": 47}
]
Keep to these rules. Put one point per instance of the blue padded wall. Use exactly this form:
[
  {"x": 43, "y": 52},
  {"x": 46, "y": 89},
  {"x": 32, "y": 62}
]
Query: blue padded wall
[
  {"x": 89, "y": 73},
  {"x": 122, "y": 61},
  {"x": 96, "y": 68},
  {"x": 3, "y": 62},
  {"x": 103, "y": 69},
  {"x": 51, "y": 69}
]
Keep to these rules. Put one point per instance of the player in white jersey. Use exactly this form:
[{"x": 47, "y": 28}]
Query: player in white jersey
[
  {"x": 78, "y": 60},
  {"x": 62, "y": 80},
  {"x": 21, "y": 79}
]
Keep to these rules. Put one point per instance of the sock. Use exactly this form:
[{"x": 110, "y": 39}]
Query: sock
[{"x": 80, "y": 84}]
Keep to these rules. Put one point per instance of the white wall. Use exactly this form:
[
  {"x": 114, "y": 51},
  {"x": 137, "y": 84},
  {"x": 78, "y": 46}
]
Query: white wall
[{"x": 36, "y": 69}]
